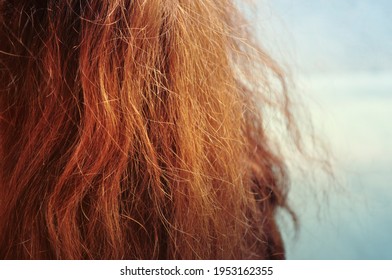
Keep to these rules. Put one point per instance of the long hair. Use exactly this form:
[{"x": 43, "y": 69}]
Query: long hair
[{"x": 137, "y": 130}]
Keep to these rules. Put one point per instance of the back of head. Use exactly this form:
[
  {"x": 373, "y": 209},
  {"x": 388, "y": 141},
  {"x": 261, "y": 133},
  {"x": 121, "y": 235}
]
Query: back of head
[{"x": 130, "y": 130}]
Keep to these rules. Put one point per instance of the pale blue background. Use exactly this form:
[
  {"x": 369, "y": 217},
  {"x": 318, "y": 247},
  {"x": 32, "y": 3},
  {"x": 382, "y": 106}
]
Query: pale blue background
[{"x": 340, "y": 55}]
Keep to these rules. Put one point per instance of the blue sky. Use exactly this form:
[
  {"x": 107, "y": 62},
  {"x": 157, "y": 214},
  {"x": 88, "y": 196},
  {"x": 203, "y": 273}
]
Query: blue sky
[
  {"x": 340, "y": 55},
  {"x": 350, "y": 35}
]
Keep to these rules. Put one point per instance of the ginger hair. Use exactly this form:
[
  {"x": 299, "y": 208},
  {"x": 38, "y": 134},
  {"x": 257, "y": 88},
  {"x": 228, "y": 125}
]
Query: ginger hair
[{"x": 137, "y": 130}]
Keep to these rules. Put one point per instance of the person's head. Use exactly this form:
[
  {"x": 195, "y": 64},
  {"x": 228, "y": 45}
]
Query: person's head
[{"x": 136, "y": 129}]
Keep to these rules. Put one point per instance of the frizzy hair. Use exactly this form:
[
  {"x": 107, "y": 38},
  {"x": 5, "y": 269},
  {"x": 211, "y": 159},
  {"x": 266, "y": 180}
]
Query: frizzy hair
[{"x": 136, "y": 130}]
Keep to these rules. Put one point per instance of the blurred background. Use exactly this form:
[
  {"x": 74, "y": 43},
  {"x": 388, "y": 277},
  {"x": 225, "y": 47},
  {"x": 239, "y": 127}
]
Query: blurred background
[{"x": 340, "y": 57}]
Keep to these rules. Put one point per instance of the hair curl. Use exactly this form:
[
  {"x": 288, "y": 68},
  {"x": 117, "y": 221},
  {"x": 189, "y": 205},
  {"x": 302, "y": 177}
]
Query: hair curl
[{"x": 136, "y": 130}]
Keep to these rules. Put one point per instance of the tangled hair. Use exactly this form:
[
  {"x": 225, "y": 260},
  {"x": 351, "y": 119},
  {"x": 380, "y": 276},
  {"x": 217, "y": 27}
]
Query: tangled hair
[{"x": 136, "y": 129}]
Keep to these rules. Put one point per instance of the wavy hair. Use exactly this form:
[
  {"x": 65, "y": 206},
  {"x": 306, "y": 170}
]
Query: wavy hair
[{"x": 137, "y": 130}]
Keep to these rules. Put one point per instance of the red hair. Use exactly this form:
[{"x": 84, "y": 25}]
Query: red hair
[{"x": 136, "y": 130}]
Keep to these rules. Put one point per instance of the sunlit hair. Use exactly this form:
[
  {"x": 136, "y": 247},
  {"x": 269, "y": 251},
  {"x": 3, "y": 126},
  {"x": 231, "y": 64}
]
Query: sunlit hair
[{"x": 137, "y": 130}]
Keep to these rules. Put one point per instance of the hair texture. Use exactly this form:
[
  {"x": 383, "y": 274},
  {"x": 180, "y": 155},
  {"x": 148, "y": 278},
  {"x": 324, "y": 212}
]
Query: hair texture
[{"x": 134, "y": 129}]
